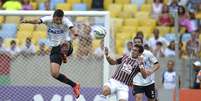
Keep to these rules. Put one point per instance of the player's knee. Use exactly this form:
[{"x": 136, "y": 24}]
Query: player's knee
[
  {"x": 106, "y": 91},
  {"x": 55, "y": 75},
  {"x": 138, "y": 98}
]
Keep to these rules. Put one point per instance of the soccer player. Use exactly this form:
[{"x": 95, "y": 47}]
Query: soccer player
[
  {"x": 129, "y": 66},
  {"x": 145, "y": 85},
  {"x": 58, "y": 27}
]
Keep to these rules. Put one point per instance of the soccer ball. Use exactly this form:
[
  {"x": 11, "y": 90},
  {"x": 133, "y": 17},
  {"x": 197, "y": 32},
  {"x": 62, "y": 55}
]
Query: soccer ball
[{"x": 99, "y": 32}]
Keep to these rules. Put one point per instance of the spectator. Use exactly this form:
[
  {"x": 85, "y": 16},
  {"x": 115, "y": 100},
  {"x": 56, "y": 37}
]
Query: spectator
[
  {"x": 153, "y": 40},
  {"x": 2, "y": 49},
  {"x": 170, "y": 50},
  {"x": 12, "y": 5},
  {"x": 97, "y": 4},
  {"x": 29, "y": 48},
  {"x": 182, "y": 48},
  {"x": 158, "y": 50},
  {"x": 165, "y": 19},
  {"x": 157, "y": 8},
  {"x": 169, "y": 77},
  {"x": 13, "y": 50},
  {"x": 173, "y": 7},
  {"x": 45, "y": 5},
  {"x": 193, "y": 45},
  {"x": 128, "y": 48},
  {"x": 146, "y": 46},
  {"x": 194, "y": 21},
  {"x": 99, "y": 52},
  {"x": 85, "y": 40},
  {"x": 1, "y": 3},
  {"x": 197, "y": 75},
  {"x": 140, "y": 34},
  {"x": 42, "y": 49},
  {"x": 184, "y": 20},
  {"x": 26, "y": 5}
]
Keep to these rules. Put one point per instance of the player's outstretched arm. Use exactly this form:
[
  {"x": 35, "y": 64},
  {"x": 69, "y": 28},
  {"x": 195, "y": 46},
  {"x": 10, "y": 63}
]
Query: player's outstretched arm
[
  {"x": 33, "y": 21},
  {"x": 109, "y": 59}
]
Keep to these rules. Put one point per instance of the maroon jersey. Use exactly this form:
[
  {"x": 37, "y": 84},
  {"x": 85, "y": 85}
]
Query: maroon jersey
[{"x": 127, "y": 69}]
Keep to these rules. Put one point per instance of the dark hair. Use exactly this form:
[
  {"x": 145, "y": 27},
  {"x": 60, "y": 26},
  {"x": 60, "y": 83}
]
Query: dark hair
[
  {"x": 141, "y": 49},
  {"x": 13, "y": 42},
  {"x": 159, "y": 43},
  {"x": 183, "y": 10},
  {"x": 138, "y": 38},
  {"x": 58, "y": 13}
]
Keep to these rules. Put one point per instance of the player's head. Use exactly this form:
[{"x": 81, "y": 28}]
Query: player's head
[
  {"x": 58, "y": 16},
  {"x": 137, "y": 50},
  {"x": 170, "y": 65},
  {"x": 138, "y": 41}
]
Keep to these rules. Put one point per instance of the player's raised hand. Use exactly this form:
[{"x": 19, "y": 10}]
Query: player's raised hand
[{"x": 106, "y": 51}]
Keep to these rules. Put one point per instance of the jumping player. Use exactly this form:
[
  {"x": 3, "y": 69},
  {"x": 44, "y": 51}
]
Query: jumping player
[
  {"x": 57, "y": 29},
  {"x": 145, "y": 85},
  {"x": 129, "y": 66}
]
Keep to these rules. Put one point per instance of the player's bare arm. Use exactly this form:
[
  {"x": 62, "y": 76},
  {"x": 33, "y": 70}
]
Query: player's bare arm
[
  {"x": 154, "y": 69},
  {"x": 109, "y": 59},
  {"x": 31, "y": 21}
]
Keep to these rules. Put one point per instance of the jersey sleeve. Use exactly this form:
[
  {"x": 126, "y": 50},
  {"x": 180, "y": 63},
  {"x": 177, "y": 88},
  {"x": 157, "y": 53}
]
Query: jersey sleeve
[
  {"x": 68, "y": 22},
  {"x": 46, "y": 19},
  {"x": 119, "y": 60},
  {"x": 152, "y": 58}
]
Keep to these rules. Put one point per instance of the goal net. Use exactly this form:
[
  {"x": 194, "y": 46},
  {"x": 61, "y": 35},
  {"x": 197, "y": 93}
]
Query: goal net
[{"x": 25, "y": 69}]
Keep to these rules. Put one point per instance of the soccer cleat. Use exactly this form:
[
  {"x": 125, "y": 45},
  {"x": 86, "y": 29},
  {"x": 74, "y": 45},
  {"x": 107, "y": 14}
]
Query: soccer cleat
[{"x": 76, "y": 90}]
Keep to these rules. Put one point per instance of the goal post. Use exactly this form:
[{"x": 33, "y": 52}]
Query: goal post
[{"x": 25, "y": 72}]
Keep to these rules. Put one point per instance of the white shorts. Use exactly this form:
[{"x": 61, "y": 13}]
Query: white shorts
[{"x": 118, "y": 88}]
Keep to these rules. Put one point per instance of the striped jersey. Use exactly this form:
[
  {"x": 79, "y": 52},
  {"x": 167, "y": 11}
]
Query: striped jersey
[
  {"x": 57, "y": 33},
  {"x": 127, "y": 69}
]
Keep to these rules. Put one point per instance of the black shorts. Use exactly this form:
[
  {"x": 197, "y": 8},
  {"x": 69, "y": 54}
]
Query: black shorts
[
  {"x": 55, "y": 54},
  {"x": 149, "y": 90}
]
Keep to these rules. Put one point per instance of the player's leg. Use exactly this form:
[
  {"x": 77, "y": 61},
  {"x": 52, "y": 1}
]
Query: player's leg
[
  {"x": 138, "y": 92},
  {"x": 56, "y": 61},
  {"x": 122, "y": 92},
  {"x": 108, "y": 89},
  {"x": 150, "y": 92}
]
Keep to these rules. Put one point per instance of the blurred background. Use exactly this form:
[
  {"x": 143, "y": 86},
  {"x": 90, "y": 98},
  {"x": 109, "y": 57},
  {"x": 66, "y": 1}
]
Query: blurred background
[{"x": 170, "y": 29}]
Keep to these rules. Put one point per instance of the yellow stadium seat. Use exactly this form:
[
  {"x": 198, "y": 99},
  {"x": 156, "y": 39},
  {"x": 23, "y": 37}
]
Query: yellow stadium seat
[
  {"x": 115, "y": 10},
  {"x": 116, "y": 24},
  {"x": 163, "y": 30},
  {"x": 26, "y": 27},
  {"x": 34, "y": 5},
  {"x": 198, "y": 15},
  {"x": 166, "y": 1},
  {"x": 129, "y": 10},
  {"x": 107, "y": 3},
  {"x": 123, "y": 36},
  {"x": 88, "y": 2},
  {"x": 12, "y": 19},
  {"x": 149, "y": 1},
  {"x": 142, "y": 15},
  {"x": 1, "y": 19},
  {"x": 7, "y": 41},
  {"x": 131, "y": 22},
  {"x": 64, "y": 6},
  {"x": 72, "y": 2},
  {"x": 147, "y": 22},
  {"x": 146, "y": 7},
  {"x": 22, "y": 35},
  {"x": 36, "y": 35},
  {"x": 41, "y": 27},
  {"x": 147, "y": 31},
  {"x": 122, "y": 1},
  {"x": 129, "y": 30}
]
